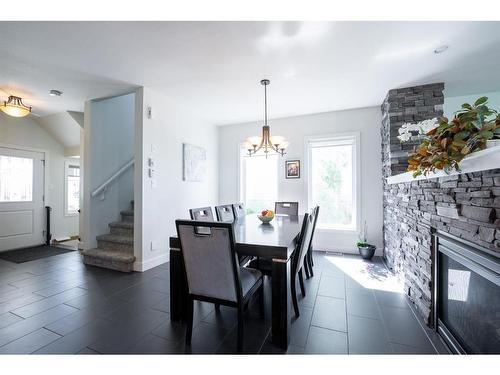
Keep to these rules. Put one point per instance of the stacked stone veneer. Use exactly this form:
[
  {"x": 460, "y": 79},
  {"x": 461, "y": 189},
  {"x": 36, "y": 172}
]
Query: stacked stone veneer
[
  {"x": 466, "y": 205},
  {"x": 409, "y": 104}
]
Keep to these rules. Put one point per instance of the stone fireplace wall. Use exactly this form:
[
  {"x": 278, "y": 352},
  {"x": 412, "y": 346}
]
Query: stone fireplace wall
[{"x": 466, "y": 205}]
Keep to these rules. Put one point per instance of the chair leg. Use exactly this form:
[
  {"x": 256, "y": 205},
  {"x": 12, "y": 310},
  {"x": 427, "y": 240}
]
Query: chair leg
[
  {"x": 294, "y": 296},
  {"x": 261, "y": 302},
  {"x": 311, "y": 255},
  {"x": 301, "y": 281},
  {"x": 305, "y": 266},
  {"x": 189, "y": 323},
  {"x": 240, "y": 328},
  {"x": 310, "y": 262}
]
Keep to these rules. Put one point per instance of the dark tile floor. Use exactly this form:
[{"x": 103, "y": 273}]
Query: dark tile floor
[{"x": 57, "y": 305}]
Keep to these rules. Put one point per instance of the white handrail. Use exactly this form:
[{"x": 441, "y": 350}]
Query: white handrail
[{"x": 115, "y": 175}]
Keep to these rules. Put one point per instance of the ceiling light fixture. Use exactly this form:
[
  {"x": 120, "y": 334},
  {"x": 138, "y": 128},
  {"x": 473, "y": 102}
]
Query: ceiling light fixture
[
  {"x": 440, "y": 49},
  {"x": 55, "y": 93},
  {"x": 266, "y": 143},
  {"x": 14, "y": 107}
]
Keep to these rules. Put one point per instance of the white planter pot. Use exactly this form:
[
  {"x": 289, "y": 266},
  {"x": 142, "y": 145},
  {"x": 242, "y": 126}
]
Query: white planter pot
[{"x": 493, "y": 143}]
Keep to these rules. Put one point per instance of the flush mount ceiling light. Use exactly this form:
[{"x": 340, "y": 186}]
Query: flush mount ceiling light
[
  {"x": 55, "y": 93},
  {"x": 266, "y": 143},
  {"x": 14, "y": 107},
  {"x": 440, "y": 49}
]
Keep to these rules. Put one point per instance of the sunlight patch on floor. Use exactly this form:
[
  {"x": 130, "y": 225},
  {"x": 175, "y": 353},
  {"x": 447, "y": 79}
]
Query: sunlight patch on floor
[{"x": 367, "y": 274}]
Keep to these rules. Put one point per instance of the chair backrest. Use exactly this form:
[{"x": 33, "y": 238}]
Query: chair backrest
[
  {"x": 225, "y": 213},
  {"x": 239, "y": 210},
  {"x": 286, "y": 208},
  {"x": 210, "y": 259},
  {"x": 315, "y": 213},
  {"x": 202, "y": 214},
  {"x": 303, "y": 243}
]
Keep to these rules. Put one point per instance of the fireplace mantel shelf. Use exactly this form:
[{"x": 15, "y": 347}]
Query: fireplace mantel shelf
[{"x": 479, "y": 161}]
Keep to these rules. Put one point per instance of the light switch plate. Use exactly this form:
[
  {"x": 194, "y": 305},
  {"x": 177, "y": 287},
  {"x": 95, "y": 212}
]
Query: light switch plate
[{"x": 154, "y": 245}]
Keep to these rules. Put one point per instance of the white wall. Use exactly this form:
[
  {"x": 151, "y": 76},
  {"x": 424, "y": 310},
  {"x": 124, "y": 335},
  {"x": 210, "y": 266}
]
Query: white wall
[
  {"x": 108, "y": 145},
  {"x": 161, "y": 139},
  {"x": 26, "y": 132},
  {"x": 454, "y": 103},
  {"x": 364, "y": 120}
]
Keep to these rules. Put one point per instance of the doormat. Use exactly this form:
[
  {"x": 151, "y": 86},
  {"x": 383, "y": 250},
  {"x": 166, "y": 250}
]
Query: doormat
[{"x": 32, "y": 253}]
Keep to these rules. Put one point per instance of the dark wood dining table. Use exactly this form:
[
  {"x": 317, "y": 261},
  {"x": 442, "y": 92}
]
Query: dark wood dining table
[{"x": 274, "y": 241}]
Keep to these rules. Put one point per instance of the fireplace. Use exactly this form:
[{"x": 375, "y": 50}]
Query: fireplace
[{"x": 466, "y": 295}]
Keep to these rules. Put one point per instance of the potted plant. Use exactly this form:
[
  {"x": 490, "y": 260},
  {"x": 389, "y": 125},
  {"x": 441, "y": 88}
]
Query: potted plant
[
  {"x": 365, "y": 249},
  {"x": 446, "y": 145}
]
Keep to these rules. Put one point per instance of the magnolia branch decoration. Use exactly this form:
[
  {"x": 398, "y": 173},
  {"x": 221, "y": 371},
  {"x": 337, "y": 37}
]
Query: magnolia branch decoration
[{"x": 445, "y": 145}]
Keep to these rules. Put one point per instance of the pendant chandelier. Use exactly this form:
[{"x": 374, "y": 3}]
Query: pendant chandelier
[
  {"x": 266, "y": 143},
  {"x": 14, "y": 107}
]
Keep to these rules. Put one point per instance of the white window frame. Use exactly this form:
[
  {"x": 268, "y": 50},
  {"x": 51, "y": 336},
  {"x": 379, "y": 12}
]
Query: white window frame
[
  {"x": 355, "y": 137},
  {"x": 242, "y": 172},
  {"x": 67, "y": 164}
]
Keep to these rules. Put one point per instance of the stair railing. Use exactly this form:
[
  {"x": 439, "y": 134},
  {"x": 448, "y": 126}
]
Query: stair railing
[{"x": 104, "y": 186}]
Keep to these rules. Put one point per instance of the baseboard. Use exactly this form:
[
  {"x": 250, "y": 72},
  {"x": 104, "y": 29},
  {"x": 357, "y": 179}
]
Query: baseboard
[
  {"x": 151, "y": 263},
  {"x": 83, "y": 245},
  {"x": 346, "y": 250}
]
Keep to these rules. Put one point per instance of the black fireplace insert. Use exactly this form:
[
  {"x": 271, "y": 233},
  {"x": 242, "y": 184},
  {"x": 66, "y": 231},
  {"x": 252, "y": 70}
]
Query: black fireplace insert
[{"x": 466, "y": 295}]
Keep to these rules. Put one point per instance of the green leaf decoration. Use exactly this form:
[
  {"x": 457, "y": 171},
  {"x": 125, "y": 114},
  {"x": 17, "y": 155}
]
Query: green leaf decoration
[
  {"x": 481, "y": 100},
  {"x": 448, "y": 144}
]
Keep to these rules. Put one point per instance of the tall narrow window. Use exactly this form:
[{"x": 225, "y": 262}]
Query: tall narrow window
[
  {"x": 72, "y": 198},
  {"x": 332, "y": 181},
  {"x": 16, "y": 179},
  {"x": 258, "y": 182}
]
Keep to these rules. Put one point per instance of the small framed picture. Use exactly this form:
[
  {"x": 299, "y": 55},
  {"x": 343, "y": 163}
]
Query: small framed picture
[{"x": 292, "y": 169}]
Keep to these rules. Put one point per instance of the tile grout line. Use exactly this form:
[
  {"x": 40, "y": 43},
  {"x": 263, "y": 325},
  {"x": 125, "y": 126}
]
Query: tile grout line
[
  {"x": 408, "y": 303},
  {"x": 346, "y": 315}
]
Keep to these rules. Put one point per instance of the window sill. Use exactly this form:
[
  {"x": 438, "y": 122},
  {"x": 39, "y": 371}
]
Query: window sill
[
  {"x": 70, "y": 214},
  {"x": 337, "y": 230}
]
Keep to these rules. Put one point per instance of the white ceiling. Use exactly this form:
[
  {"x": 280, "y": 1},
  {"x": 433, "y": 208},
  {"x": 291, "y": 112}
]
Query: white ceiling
[
  {"x": 63, "y": 127},
  {"x": 214, "y": 68}
]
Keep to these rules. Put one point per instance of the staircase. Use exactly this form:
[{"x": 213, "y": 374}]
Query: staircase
[{"x": 116, "y": 249}]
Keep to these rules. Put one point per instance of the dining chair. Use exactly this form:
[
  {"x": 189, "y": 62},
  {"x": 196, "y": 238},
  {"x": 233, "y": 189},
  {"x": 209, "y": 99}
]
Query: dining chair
[
  {"x": 301, "y": 246},
  {"x": 286, "y": 208},
  {"x": 298, "y": 259},
  {"x": 239, "y": 210},
  {"x": 213, "y": 272},
  {"x": 202, "y": 214},
  {"x": 308, "y": 260},
  {"x": 225, "y": 213}
]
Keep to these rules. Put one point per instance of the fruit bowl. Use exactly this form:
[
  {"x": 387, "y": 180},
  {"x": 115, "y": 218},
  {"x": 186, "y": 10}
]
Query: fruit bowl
[{"x": 266, "y": 216}]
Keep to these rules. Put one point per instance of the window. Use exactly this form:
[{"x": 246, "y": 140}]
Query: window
[
  {"x": 16, "y": 179},
  {"x": 72, "y": 194},
  {"x": 332, "y": 181},
  {"x": 258, "y": 182}
]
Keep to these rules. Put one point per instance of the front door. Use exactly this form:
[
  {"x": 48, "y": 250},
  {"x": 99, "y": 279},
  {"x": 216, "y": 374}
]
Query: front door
[{"x": 21, "y": 198}]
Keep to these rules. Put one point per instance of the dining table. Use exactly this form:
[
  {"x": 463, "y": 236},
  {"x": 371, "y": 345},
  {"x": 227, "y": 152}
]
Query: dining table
[{"x": 274, "y": 241}]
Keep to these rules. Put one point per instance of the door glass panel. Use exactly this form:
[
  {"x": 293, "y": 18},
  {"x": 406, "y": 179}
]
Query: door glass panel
[{"x": 16, "y": 179}]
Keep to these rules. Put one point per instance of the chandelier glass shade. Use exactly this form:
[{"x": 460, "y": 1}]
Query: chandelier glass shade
[
  {"x": 14, "y": 107},
  {"x": 266, "y": 143}
]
